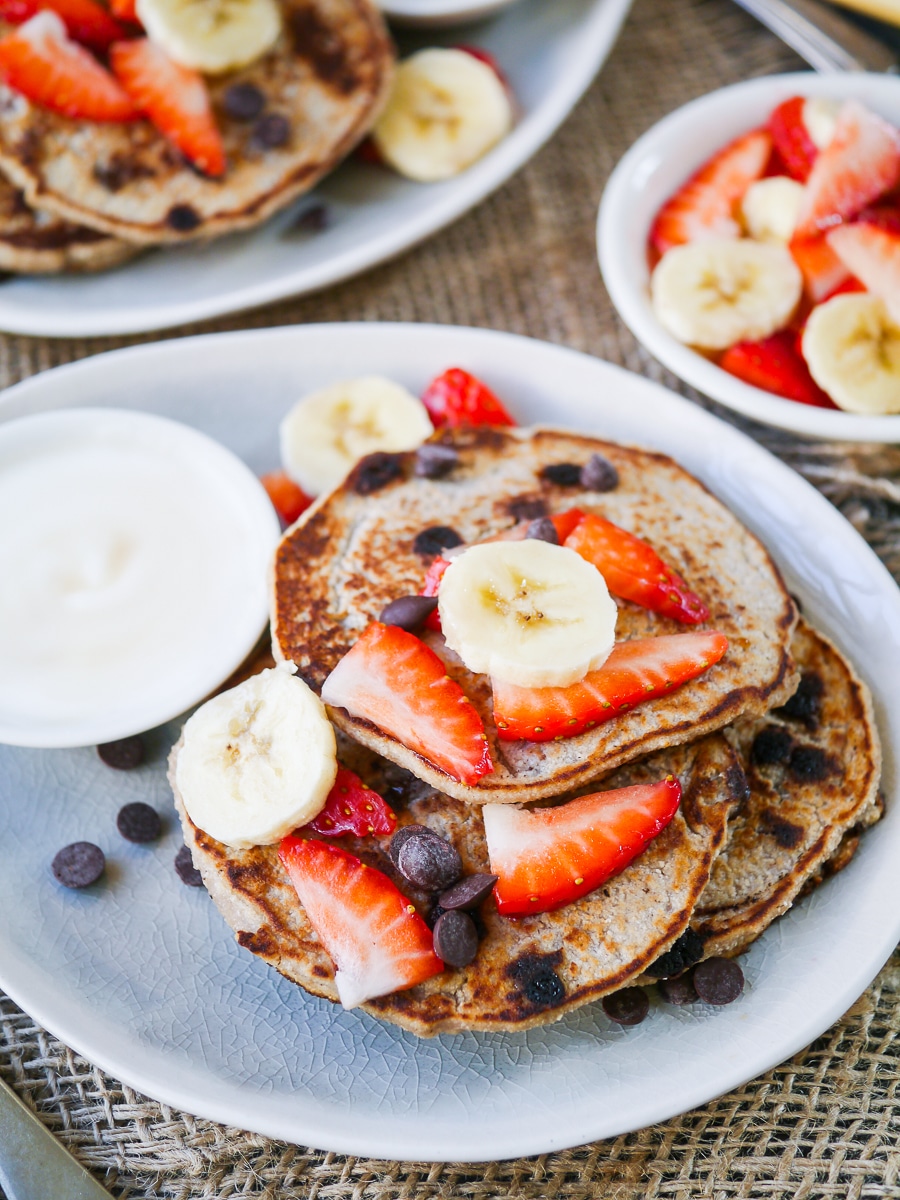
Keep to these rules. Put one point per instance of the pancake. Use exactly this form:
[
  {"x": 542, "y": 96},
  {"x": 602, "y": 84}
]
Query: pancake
[
  {"x": 813, "y": 768},
  {"x": 328, "y": 75},
  {"x": 529, "y": 971},
  {"x": 350, "y": 554}
]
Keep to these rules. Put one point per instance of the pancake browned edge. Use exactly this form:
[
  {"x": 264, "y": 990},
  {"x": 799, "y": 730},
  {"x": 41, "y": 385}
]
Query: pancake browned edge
[
  {"x": 529, "y": 971},
  {"x": 328, "y": 75},
  {"x": 351, "y": 554}
]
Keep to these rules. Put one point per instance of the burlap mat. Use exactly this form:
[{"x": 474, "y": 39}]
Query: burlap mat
[{"x": 825, "y": 1124}]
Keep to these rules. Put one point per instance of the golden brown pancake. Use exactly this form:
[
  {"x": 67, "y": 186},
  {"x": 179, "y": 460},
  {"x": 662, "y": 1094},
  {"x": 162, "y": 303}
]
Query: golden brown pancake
[
  {"x": 33, "y": 242},
  {"x": 352, "y": 553}
]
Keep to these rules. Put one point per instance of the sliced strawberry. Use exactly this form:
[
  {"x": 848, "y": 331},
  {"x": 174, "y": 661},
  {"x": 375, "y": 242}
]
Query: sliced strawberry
[
  {"x": 822, "y": 270},
  {"x": 175, "y": 100},
  {"x": 288, "y": 499},
  {"x": 872, "y": 254},
  {"x": 395, "y": 681},
  {"x": 125, "y": 10},
  {"x": 704, "y": 206},
  {"x": 637, "y": 670},
  {"x": 794, "y": 146},
  {"x": 566, "y": 522},
  {"x": 488, "y": 59},
  {"x": 548, "y": 857},
  {"x": 458, "y": 398},
  {"x": 85, "y": 20},
  {"x": 847, "y": 288},
  {"x": 40, "y": 61},
  {"x": 430, "y": 587},
  {"x": 374, "y": 936},
  {"x": 634, "y": 571},
  {"x": 861, "y": 163},
  {"x": 351, "y": 807},
  {"x": 775, "y": 366}
]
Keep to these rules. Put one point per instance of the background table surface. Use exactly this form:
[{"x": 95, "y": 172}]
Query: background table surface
[{"x": 824, "y": 1124}]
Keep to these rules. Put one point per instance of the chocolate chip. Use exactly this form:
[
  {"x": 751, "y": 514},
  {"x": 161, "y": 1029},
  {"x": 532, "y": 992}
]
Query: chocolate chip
[
  {"x": 682, "y": 954},
  {"x": 542, "y": 530},
  {"x": 125, "y": 754},
  {"x": 809, "y": 763},
  {"x": 679, "y": 990},
  {"x": 271, "y": 131},
  {"x": 402, "y": 836},
  {"x": 562, "y": 474},
  {"x": 434, "y": 461},
  {"x": 314, "y": 219},
  {"x": 429, "y": 862},
  {"x": 139, "y": 822},
  {"x": 182, "y": 218},
  {"x": 526, "y": 508},
  {"x": 436, "y": 538},
  {"x": 455, "y": 939},
  {"x": 771, "y": 746},
  {"x": 627, "y": 1007},
  {"x": 243, "y": 101},
  {"x": 121, "y": 170},
  {"x": 375, "y": 471},
  {"x": 786, "y": 833},
  {"x": 599, "y": 475},
  {"x": 805, "y": 703},
  {"x": 78, "y": 865},
  {"x": 718, "y": 980},
  {"x": 408, "y": 612},
  {"x": 468, "y": 893},
  {"x": 187, "y": 872},
  {"x": 544, "y": 988}
]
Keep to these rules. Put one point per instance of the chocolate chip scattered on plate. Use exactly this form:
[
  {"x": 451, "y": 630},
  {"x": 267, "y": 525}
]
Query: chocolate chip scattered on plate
[
  {"x": 138, "y": 822},
  {"x": 718, "y": 980},
  {"x": 124, "y": 754},
  {"x": 187, "y": 872},
  {"x": 78, "y": 865},
  {"x": 627, "y": 1007},
  {"x": 679, "y": 990}
]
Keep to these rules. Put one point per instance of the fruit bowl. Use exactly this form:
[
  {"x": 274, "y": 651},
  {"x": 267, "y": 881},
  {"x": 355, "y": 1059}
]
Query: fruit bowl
[{"x": 653, "y": 169}]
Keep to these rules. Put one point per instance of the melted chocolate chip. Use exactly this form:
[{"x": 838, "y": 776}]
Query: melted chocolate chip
[
  {"x": 544, "y": 988},
  {"x": 535, "y": 975},
  {"x": 542, "y": 530},
  {"x": 771, "y": 746},
  {"x": 187, "y": 872},
  {"x": 562, "y": 474},
  {"x": 455, "y": 939},
  {"x": 182, "y": 218},
  {"x": 806, "y": 702},
  {"x": 718, "y": 980},
  {"x": 124, "y": 754},
  {"x": 809, "y": 764},
  {"x": 527, "y": 508},
  {"x": 271, "y": 131},
  {"x": 468, "y": 893},
  {"x": 314, "y": 219},
  {"x": 430, "y": 542},
  {"x": 120, "y": 171},
  {"x": 243, "y": 101},
  {"x": 785, "y": 833},
  {"x": 408, "y": 612},
  {"x": 434, "y": 461},
  {"x": 78, "y": 865},
  {"x": 138, "y": 822},
  {"x": 375, "y": 471},
  {"x": 627, "y": 1007},
  {"x": 687, "y": 950},
  {"x": 679, "y": 990},
  {"x": 429, "y": 862},
  {"x": 599, "y": 475}
]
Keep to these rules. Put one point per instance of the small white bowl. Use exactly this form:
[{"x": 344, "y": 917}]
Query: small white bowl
[
  {"x": 440, "y": 14},
  {"x": 655, "y": 167}
]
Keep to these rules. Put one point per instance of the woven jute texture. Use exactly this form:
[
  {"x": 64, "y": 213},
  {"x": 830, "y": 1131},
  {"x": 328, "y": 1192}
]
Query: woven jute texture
[{"x": 825, "y": 1124}]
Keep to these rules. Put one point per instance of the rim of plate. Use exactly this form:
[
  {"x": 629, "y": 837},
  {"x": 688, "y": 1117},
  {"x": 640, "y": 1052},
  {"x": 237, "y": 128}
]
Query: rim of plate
[
  {"x": 424, "y": 13},
  {"x": 652, "y": 169},
  {"x": 783, "y": 1012}
]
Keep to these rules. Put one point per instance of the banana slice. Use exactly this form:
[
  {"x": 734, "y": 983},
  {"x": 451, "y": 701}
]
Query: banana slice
[
  {"x": 529, "y": 613},
  {"x": 852, "y": 348},
  {"x": 212, "y": 35},
  {"x": 257, "y": 761},
  {"x": 446, "y": 110},
  {"x": 770, "y": 208},
  {"x": 714, "y": 293},
  {"x": 328, "y": 432},
  {"x": 820, "y": 116}
]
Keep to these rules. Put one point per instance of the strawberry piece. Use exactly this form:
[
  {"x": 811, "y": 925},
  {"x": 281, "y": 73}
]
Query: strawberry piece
[
  {"x": 637, "y": 670},
  {"x": 872, "y": 254},
  {"x": 125, "y": 10},
  {"x": 488, "y": 59},
  {"x": 566, "y": 522},
  {"x": 399, "y": 684},
  {"x": 823, "y": 272},
  {"x": 85, "y": 20},
  {"x": 175, "y": 100},
  {"x": 374, "y": 936},
  {"x": 458, "y": 398},
  {"x": 861, "y": 163},
  {"x": 548, "y": 857},
  {"x": 704, "y": 206},
  {"x": 794, "y": 146},
  {"x": 351, "y": 807},
  {"x": 40, "y": 61},
  {"x": 433, "y": 577},
  {"x": 775, "y": 366},
  {"x": 288, "y": 500},
  {"x": 634, "y": 571}
]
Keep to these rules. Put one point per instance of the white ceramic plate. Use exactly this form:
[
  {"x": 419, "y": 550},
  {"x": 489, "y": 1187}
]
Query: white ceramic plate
[
  {"x": 655, "y": 167},
  {"x": 549, "y": 49},
  {"x": 142, "y": 975},
  {"x": 437, "y": 14}
]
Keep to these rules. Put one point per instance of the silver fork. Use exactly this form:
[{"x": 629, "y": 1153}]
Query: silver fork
[{"x": 827, "y": 41}]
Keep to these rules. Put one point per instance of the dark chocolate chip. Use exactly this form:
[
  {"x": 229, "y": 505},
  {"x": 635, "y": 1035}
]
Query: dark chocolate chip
[
  {"x": 786, "y": 833},
  {"x": 182, "y": 218},
  {"x": 455, "y": 939},
  {"x": 271, "y": 131},
  {"x": 682, "y": 954},
  {"x": 243, "y": 101},
  {"x": 375, "y": 471},
  {"x": 599, "y": 475},
  {"x": 120, "y": 170},
  {"x": 527, "y": 508},
  {"x": 187, "y": 872},
  {"x": 434, "y": 539},
  {"x": 468, "y": 893},
  {"x": 679, "y": 990},
  {"x": 404, "y": 834},
  {"x": 562, "y": 474},
  {"x": 125, "y": 754},
  {"x": 138, "y": 822},
  {"x": 429, "y": 862},
  {"x": 433, "y": 915},
  {"x": 544, "y": 988},
  {"x": 771, "y": 746},
  {"x": 809, "y": 763},
  {"x": 542, "y": 530},
  {"x": 805, "y": 703},
  {"x": 78, "y": 865},
  {"x": 434, "y": 461},
  {"x": 718, "y": 980},
  {"x": 314, "y": 219},
  {"x": 627, "y": 1007},
  {"x": 408, "y": 612}
]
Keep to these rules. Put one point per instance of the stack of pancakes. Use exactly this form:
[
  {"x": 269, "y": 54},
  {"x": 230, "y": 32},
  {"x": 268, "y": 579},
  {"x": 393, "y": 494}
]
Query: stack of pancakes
[
  {"x": 84, "y": 195},
  {"x": 775, "y": 746}
]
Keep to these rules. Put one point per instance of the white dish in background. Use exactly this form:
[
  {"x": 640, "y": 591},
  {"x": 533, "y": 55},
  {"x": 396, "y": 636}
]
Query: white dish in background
[
  {"x": 133, "y": 554},
  {"x": 549, "y": 50},
  {"x": 438, "y": 14},
  {"x": 653, "y": 169},
  {"x": 143, "y": 976}
]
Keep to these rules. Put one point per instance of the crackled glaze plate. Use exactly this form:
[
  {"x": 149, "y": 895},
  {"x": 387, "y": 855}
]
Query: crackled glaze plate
[
  {"x": 140, "y": 973},
  {"x": 550, "y": 50}
]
